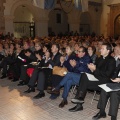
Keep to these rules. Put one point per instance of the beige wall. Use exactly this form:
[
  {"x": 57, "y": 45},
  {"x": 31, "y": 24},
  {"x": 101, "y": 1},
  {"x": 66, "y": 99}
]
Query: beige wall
[
  {"x": 2, "y": 22},
  {"x": 105, "y": 16},
  {"x": 58, "y": 27},
  {"x": 98, "y": 21}
]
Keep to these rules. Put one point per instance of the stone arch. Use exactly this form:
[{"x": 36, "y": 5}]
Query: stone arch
[
  {"x": 27, "y": 5},
  {"x": 114, "y": 13},
  {"x": 40, "y": 16},
  {"x": 11, "y": 6},
  {"x": 117, "y": 26}
]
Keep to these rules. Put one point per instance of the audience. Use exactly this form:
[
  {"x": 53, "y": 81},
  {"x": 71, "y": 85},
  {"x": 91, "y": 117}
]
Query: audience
[
  {"x": 102, "y": 70},
  {"x": 72, "y": 78},
  {"x": 17, "y": 56},
  {"x": 64, "y": 62},
  {"x": 113, "y": 95}
]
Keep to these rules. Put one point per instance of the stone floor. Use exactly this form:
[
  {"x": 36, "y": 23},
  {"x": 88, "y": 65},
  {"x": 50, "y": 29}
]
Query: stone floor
[{"x": 16, "y": 105}]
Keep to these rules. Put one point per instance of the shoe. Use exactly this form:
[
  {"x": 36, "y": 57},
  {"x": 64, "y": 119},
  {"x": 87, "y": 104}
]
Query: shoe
[
  {"x": 39, "y": 95},
  {"x": 30, "y": 90},
  {"x": 113, "y": 118},
  {"x": 77, "y": 100},
  {"x": 98, "y": 116},
  {"x": 78, "y": 107},
  {"x": 53, "y": 96},
  {"x": 63, "y": 103},
  {"x": 49, "y": 88},
  {"x": 35, "y": 85},
  {"x": 15, "y": 79},
  {"x": 3, "y": 76},
  {"x": 10, "y": 78},
  {"x": 54, "y": 91},
  {"x": 21, "y": 83}
]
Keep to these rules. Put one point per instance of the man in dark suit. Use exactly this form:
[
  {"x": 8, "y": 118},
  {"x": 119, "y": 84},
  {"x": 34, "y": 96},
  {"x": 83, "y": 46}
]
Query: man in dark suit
[
  {"x": 29, "y": 57},
  {"x": 41, "y": 75},
  {"x": 114, "y": 98},
  {"x": 102, "y": 70}
]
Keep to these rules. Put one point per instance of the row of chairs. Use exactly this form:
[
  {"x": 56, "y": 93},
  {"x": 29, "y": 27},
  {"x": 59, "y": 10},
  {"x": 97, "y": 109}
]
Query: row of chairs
[{"x": 96, "y": 95}]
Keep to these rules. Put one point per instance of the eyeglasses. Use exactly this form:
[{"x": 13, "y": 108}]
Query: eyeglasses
[{"x": 80, "y": 51}]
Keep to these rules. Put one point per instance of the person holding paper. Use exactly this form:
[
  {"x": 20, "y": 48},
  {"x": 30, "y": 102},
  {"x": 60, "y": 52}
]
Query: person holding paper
[
  {"x": 114, "y": 103},
  {"x": 103, "y": 70},
  {"x": 114, "y": 98},
  {"x": 41, "y": 75}
]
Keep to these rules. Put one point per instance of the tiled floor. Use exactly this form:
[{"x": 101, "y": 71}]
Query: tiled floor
[{"x": 16, "y": 105}]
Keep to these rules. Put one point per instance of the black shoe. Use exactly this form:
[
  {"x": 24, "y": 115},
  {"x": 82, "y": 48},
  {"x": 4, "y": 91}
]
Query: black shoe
[
  {"x": 113, "y": 118},
  {"x": 21, "y": 83},
  {"x": 3, "y": 76},
  {"x": 78, "y": 107},
  {"x": 10, "y": 78},
  {"x": 53, "y": 96},
  {"x": 98, "y": 116},
  {"x": 39, "y": 95},
  {"x": 30, "y": 90},
  {"x": 63, "y": 103},
  {"x": 77, "y": 100},
  {"x": 15, "y": 79}
]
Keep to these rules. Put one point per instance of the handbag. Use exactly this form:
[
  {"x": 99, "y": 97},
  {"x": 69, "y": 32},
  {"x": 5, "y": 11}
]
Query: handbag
[
  {"x": 61, "y": 71},
  {"x": 30, "y": 71}
]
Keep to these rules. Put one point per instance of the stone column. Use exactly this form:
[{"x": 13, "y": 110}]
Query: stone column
[
  {"x": 74, "y": 20},
  {"x": 9, "y": 24},
  {"x": 41, "y": 27},
  {"x": 104, "y": 20}
]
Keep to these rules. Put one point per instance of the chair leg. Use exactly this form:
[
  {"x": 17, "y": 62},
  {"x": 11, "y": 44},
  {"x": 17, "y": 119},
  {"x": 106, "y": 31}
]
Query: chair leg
[
  {"x": 73, "y": 90},
  {"x": 108, "y": 103},
  {"x": 93, "y": 97}
]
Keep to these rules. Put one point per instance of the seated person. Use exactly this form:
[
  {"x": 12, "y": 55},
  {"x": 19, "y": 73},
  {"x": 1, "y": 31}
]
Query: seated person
[
  {"x": 42, "y": 63},
  {"x": 64, "y": 62},
  {"x": 73, "y": 77},
  {"x": 8, "y": 60},
  {"x": 114, "y": 98},
  {"x": 114, "y": 103},
  {"x": 91, "y": 52},
  {"x": 30, "y": 58},
  {"x": 41, "y": 75},
  {"x": 103, "y": 70},
  {"x": 2, "y": 52}
]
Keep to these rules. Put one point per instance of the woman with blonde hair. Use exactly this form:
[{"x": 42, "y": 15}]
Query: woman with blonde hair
[{"x": 64, "y": 62}]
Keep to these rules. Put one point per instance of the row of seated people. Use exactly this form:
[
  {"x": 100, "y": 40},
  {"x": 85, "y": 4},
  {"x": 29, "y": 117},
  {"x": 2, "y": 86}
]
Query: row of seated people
[
  {"x": 20, "y": 63},
  {"x": 103, "y": 70}
]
